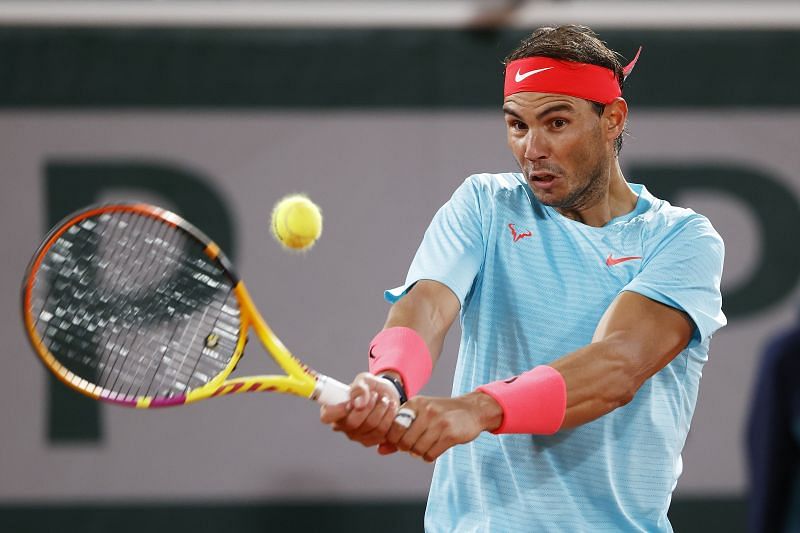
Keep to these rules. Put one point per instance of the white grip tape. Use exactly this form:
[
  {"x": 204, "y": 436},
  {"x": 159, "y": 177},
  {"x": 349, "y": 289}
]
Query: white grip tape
[{"x": 329, "y": 391}]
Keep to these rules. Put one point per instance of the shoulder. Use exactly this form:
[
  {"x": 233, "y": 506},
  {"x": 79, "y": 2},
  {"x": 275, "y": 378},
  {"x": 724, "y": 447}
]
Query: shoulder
[
  {"x": 665, "y": 223},
  {"x": 490, "y": 185},
  {"x": 485, "y": 191}
]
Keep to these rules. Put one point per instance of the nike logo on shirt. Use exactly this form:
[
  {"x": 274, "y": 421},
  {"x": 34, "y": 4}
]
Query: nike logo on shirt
[
  {"x": 519, "y": 76},
  {"x": 611, "y": 261}
]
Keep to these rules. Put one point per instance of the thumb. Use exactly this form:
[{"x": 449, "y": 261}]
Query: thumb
[{"x": 359, "y": 395}]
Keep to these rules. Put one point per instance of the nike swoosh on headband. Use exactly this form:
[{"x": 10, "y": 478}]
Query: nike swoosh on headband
[{"x": 519, "y": 77}]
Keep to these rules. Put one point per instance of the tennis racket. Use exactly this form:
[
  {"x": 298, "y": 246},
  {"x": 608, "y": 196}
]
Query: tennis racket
[{"x": 131, "y": 304}]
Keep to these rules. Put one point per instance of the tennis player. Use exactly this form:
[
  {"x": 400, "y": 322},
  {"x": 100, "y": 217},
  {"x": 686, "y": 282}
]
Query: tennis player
[{"x": 586, "y": 305}]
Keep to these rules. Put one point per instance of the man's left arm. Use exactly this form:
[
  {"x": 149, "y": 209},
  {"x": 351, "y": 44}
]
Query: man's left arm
[{"x": 635, "y": 338}]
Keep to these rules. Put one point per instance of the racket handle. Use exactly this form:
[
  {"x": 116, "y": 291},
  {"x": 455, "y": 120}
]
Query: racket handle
[{"x": 328, "y": 391}]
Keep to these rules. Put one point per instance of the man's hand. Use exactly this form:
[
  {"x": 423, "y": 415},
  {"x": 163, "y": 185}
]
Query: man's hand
[
  {"x": 441, "y": 423},
  {"x": 369, "y": 414}
]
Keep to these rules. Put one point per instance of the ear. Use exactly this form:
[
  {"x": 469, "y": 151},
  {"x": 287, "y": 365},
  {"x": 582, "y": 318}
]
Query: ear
[{"x": 614, "y": 117}]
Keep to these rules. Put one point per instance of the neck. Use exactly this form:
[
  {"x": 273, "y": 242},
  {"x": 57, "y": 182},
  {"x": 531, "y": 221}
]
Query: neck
[{"x": 612, "y": 201}]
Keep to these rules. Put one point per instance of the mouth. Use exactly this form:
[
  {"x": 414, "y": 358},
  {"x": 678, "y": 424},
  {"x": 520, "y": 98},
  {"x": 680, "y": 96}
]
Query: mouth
[{"x": 542, "y": 179}]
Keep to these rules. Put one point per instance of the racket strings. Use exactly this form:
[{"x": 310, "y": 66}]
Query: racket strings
[
  {"x": 155, "y": 344},
  {"x": 65, "y": 270},
  {"x": 129, "y": 303},
  {"x": 76, "y": 253},
  {"x": 206, "y": 363},
  {"x": 153, "y": 235},
  {"x": 127, "y": 325},
  {"x": 185, "y": 256},
  {"x": 122, "y": 324}
]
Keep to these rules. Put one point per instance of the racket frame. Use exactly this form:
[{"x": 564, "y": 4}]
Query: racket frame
[{"x": 299, "y": 380}]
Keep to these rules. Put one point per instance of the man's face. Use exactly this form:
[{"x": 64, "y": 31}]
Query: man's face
[{"x": 559, "y": 143}]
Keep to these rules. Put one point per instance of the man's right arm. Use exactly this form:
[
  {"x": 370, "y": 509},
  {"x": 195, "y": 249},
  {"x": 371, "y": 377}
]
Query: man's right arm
[{"x": 429, "y": 308}]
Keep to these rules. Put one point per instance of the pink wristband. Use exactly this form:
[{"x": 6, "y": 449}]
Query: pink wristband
[
  {"x": 401, "y": 350},
  {"x": 533, "y": 402}
]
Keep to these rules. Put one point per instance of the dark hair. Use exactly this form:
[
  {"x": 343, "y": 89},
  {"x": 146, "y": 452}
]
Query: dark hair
[{"x": 572, "y": 43}]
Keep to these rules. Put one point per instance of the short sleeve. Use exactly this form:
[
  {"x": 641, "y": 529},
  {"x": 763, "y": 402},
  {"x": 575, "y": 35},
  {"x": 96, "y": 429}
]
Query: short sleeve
[
  {"x": 684, "y": 270},
  {"x": 452, "y": 249}
]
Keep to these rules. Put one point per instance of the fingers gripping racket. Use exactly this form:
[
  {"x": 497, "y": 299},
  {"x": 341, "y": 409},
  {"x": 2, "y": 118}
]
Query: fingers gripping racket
[{"x": 133, "y": 305}]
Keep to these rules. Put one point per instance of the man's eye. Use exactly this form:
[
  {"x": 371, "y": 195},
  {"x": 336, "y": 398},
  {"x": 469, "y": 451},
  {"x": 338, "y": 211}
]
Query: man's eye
[
  {"x": 559, "y": 123},
  {"x": 517, "y": 125}
]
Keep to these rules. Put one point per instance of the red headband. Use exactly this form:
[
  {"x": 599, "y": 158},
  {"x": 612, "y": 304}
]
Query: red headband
[{"x": 582, "y": 80}]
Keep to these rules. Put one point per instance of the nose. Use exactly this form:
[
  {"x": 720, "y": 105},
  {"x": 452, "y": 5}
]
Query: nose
[{"x": 536, "y": 146}]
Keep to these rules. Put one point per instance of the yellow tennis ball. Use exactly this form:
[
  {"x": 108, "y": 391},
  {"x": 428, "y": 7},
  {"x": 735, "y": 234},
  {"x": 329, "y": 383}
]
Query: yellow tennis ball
[{"x": 296, "y": 222}]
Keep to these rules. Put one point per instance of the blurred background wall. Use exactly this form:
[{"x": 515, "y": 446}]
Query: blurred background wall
[{"x": 377, "y": 110}]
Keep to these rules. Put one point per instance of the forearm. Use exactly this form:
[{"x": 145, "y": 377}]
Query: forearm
[
  {"x": 635, "y": 338},
  {"x": 600, "y": 377},
  {"x": 429, "y": 309},
  {"x": 406, "y": 350}
]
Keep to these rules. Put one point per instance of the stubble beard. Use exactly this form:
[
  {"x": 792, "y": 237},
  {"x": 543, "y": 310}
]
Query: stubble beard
[{"x": 592, "y": 189}]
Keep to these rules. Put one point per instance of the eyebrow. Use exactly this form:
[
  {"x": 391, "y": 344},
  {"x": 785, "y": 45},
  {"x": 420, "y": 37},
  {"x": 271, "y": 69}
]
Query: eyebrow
[
  {"x": 555, "y": 108},
  {"x": 509, "y": 111},
  {"x": 551, "y": 109}
]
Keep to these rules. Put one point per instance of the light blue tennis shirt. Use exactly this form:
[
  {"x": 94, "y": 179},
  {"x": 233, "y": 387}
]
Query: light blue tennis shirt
[{"x": 533, "y": 285}]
